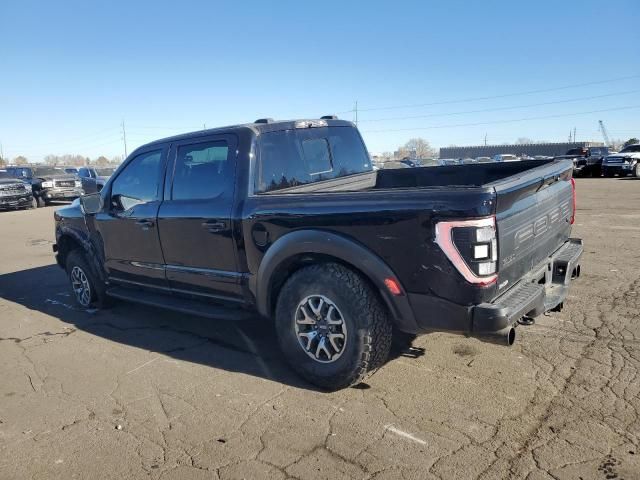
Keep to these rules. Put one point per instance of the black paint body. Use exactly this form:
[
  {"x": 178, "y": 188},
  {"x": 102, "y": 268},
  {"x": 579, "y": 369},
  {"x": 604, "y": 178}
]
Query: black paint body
[{"x": 239, "y": 247}]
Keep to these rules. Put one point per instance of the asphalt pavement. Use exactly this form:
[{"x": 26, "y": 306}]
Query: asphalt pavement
[{"x": 137, "y": 392}]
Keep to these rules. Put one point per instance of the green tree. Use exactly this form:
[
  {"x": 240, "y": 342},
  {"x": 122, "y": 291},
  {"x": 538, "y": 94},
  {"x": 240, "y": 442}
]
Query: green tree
[{"x": 631, "y": 141}]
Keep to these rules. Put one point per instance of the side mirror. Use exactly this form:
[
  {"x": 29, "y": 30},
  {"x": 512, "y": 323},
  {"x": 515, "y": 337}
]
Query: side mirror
[{"x": 91, "y": 204}]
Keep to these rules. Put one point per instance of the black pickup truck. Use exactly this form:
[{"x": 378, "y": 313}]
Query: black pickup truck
[
  {"x": 587, "y": 161},
  {"x": 288, "y": 220}
]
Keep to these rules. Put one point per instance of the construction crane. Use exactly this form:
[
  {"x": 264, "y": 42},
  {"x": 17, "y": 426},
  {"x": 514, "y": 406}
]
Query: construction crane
[{"x": 607, "y": 142}]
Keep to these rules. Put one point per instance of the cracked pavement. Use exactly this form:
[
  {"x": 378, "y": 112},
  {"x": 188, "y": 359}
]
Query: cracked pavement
[{"x": 136, "y": 392}]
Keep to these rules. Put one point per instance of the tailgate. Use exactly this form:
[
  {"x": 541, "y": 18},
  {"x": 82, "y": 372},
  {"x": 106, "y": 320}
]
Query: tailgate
[{"x": 533, "y": 216}]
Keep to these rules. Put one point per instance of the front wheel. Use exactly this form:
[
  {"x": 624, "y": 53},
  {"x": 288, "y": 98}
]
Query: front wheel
[
  {"x": 40, "y": 202},
  {"x": 87, "y": 288},
  {"x": 331, "y": 326}
]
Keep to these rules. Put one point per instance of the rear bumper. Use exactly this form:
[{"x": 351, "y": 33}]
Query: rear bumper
[{"x": 543, "y": 289}]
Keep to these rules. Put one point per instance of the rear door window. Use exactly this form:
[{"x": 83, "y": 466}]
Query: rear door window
[{"x": 202, "y": 171}]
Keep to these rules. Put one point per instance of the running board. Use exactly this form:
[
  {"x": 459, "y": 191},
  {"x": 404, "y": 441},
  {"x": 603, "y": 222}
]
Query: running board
[{"x": 179, "y": 304}]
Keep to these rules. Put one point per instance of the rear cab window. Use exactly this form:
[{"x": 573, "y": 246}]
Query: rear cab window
[{"x": 295, "y": 157}]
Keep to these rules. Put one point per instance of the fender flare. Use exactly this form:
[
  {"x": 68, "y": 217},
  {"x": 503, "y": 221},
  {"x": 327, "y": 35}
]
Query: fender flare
[
  {"x": 85, "y": 243},
  {"x": 346, "y": 251}
]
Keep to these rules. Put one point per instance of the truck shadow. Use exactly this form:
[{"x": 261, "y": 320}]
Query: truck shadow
[{"x": 248, "y": 347}]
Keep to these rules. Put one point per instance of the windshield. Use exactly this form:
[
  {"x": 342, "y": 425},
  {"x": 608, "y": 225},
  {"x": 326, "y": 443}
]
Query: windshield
[
  {"x": 631, "y": 149},
  {"x": 105, "y": 172},
  {"x": 46, "y": 171}
]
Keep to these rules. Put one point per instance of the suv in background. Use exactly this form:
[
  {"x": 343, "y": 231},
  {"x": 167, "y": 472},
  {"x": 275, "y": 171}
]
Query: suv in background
[
  {"x": 48, "y": 183},
  {"x": 625, "y": 162},
  {"x": 94, "y": 178}
]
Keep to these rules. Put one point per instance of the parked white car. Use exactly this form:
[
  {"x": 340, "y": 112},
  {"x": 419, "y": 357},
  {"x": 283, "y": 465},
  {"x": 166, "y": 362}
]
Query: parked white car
[{"x": 505, "y": 157}]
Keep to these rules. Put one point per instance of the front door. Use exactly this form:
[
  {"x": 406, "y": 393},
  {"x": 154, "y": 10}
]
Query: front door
[
  {"x": 128, "y": 223},
  {"x": 194, "y": 220}
]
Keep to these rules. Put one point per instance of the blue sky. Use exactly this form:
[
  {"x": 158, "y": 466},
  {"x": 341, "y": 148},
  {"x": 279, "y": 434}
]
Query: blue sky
[{"x": 70, "y": 72}]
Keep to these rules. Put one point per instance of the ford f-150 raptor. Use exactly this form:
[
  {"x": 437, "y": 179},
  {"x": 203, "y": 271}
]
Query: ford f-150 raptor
[{"x": 289, "y": 220}]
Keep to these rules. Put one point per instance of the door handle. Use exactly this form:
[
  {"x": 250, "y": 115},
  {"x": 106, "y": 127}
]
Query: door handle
[
  {"x": 145, "y": 223},
  {"x": 214, "y": 227}
]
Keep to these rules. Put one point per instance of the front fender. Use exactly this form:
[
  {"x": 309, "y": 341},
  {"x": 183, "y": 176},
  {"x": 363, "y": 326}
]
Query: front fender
[{"x": 343, "y": 249}]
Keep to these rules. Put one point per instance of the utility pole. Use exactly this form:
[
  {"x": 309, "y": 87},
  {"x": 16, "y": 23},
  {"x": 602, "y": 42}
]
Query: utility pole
[
  {"x": 204, "y": 126},
  {"x": 574, "y": 134},
  {"x": 356, "y": 113},
  {"x": 485, "y": 139},
  {"x": 124, "y": 139}
]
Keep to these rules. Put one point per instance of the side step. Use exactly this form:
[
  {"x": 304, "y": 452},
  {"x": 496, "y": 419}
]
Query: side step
[{"x": 179, "y": 304}]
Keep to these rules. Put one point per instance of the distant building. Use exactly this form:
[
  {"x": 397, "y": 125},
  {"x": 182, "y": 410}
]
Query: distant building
[{"x": 530, "y": 149}]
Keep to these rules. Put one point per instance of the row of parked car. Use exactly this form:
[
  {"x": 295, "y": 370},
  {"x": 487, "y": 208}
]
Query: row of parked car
[
  {"x": 587, "y": 161},
  {"x": 37, "y": 186}
]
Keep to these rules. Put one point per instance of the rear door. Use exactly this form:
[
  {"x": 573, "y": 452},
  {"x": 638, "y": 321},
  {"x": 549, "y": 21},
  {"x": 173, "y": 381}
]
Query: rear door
[
  {"x": 195, "y": 219},
  {"x": 128, "y": 223},
  {"x": 533, "y": 215}
]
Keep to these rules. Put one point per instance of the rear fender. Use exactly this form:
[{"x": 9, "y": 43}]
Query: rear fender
[{"x": 345, "y": 251}]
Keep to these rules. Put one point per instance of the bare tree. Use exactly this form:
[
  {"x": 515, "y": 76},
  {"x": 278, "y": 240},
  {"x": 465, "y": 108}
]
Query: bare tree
[
  {"x": 20, "y": 160},
  {"x": 51, "y": 160},
  {"x": 420, "y": 146},
  {"x": 523, "y": 141},
  {"x": 101, "y": 161}
]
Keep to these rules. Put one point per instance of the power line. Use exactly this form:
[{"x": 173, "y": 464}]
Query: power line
[
  {"x": 496, "y": 109},
  {"x": 490, "y": 97},
  {"x": 502, "y": 121},
  {"x": 84, "y": 139}
]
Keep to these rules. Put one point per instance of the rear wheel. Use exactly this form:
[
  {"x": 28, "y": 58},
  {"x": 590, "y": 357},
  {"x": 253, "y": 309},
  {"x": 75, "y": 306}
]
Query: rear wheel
[
  {"x": 40, "y": 201},
  {"x": 87, "y": 288},
  {"x": 331, "y": 326}
]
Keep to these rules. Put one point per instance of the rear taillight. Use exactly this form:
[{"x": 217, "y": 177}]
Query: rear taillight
[
  {"x": 472, "y": 247},
  {"x": 573, "y": 196}
]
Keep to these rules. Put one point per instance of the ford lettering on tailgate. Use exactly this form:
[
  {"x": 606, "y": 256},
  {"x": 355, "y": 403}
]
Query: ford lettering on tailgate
[{"x": 535, "y": 229}]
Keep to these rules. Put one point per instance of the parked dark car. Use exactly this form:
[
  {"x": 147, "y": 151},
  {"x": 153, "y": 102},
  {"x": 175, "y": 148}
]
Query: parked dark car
[
  {"x": 94, "y": 178},
  {"x": 289, "y": 220},
  {"x": 14, "y": 193},
  {"x": 587, "y": 161},
  {"x": 48, "y": 183}
]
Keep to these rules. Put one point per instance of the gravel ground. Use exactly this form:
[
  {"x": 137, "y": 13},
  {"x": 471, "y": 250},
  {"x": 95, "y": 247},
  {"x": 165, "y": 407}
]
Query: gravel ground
[{"x": 134, "y": 392}]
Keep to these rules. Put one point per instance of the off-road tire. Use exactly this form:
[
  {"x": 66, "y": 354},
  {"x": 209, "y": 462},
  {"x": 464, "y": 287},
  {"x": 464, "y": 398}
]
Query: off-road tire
[
  {"x": 369, "y": 330},
  {"x": 40, "y": 201},
  {"x": 99, "y": 299},
  {"x": 34, "y": 204}
]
